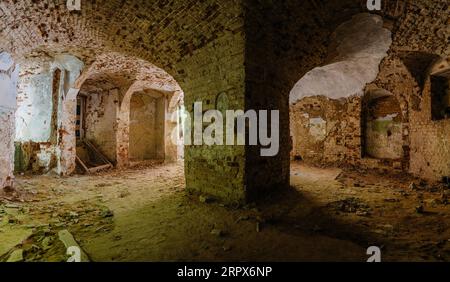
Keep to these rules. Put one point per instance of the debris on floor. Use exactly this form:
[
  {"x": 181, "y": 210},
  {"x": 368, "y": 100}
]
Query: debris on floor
[
  {"x": 16, "y": 256},
  {"x": 145, "y": 219},
  {"x": 69, "y": 241},
  {"x": 350, "y": 205}
]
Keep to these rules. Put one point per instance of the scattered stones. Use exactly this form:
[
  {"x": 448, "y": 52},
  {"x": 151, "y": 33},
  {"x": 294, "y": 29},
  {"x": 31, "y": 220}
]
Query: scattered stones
[
  {"x": 420, "y": 209},
  {"x": 47, "y": 242},
  {"x": 217, "y": 232},
  {"x": 101, "y": 185},
  {"x": 106, "y": 213},
  {"x": 391, "y": 200},
  {"x": 350, "y": 205},
  {"x": 205, "y": 199},
  {"x": 413, "y": 186},
  {"x": 433, "y": 202},
  {"x": 384, "y": 229},
  {"x": 12, "y": 220},
  {"x": 242, "y": 218},
  {"x": 362, "y": 213},
  {"x": 404, "y": 194},
  {"x": 16, "y": 256},
  {"x": 124, "y": 194}
]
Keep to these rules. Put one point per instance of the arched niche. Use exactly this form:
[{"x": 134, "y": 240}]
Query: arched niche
[
  {"x": 382, "y": 125},
  {"x": 147, "y": 118},
  {"x": 440, "y": 90}
]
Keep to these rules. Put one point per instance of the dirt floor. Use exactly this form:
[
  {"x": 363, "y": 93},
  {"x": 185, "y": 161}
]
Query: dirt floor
[{"x": 144, "y": 214}]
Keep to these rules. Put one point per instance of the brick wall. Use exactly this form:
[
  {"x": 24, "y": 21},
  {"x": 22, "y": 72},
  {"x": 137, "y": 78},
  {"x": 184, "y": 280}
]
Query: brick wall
[{"x": 251, "y": 51}]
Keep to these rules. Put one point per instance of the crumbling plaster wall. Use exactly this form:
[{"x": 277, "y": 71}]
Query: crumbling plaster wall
[
  {"x": 215, "y": 51},
  {"x": 125, "y": 75},
  {"x": 201, "y": 44},
  {"x": 169, "y": 95},
  {"x": 326, "y": 131},
  {"x": 347, "y": 129},
  {"x": 360, "y": 45},
  {"x": 35, "y": 149},
  {"x": 284, "y": 41},
  {"x": 147, "y": 120},
  {"x": 424, "y": 29},
  {"x": 142, "y": 127},
  {"x": 405, "y": 74},
  {"x": 383, "y": 132},
  {"x": 101, "y": 120},
  {"x": 430, "y": 140},
  {"x": 9, "y": 74},
  {"x": 325, "y": 111}
]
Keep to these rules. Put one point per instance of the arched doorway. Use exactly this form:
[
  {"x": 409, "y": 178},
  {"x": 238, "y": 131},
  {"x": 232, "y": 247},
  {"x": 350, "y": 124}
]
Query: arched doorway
[
  {"x": 147, "y": 130},
  {"x": 382, "y": 126},
  {"x": 325, "y": 104},
  {"x": 149, "y": 125},
  {"x": 125, "y": 113},
  {"x": 95, "y": 131}
]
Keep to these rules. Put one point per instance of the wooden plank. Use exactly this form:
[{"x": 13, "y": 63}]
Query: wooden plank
[
  {"x": 98, "y": 168},
  {"x": 82, "y": 164},
  {"x": 95, "y": 151},
  {"x": 88, "y": 143}
]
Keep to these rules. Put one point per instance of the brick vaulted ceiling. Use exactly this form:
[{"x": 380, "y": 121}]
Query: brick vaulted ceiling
[
  {"x": 253, "y": 51},
  {"x": 160, "y": 31},
  {"x": 163, "y": 32}
]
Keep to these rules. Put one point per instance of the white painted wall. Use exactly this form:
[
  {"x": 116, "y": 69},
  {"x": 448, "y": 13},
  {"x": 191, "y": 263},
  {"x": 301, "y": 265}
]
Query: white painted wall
[
  {"x": 9, "y": 73},
  {"x": 35, "y": 95},
  {"x": 35, "y": 107}
]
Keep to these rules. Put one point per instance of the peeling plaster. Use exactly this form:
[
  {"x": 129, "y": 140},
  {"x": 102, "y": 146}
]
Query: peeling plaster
[
  {"x": 362, "y": 45},
  {"x": 8, "y": 85},
  {"x": 35, "y": 106},
  {"x": 318, "y": 128}
]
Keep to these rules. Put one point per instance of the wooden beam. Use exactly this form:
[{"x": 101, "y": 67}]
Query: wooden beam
[{"x": 82, "y": 164}]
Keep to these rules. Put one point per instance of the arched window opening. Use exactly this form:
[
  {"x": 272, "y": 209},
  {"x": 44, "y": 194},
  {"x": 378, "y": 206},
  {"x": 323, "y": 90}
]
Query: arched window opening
[{"x": 440, "y": 91}]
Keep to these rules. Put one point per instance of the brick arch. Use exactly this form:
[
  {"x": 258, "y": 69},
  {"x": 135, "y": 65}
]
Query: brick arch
[
  {"x": 165, "y": 36},
  {"x": 391, "y": 137},
  {"x": 200, "y": 43},
  {"x": 123, "y": 140},
  {"x": 395, "y": 78},
  {"x": 127, "y": 74},
  {"x": 254, "y": 51}
]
